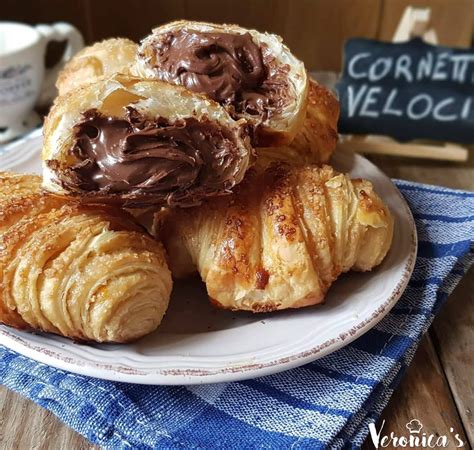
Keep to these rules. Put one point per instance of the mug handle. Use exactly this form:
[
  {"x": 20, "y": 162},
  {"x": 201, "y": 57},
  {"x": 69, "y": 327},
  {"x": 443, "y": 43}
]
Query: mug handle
[{"x": 60, "y": 31}]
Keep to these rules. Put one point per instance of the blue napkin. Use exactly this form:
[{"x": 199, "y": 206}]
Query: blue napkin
[{"x": 328, "y": 403}]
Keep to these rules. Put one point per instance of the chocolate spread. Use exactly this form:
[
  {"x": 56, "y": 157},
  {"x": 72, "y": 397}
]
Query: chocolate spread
[
  {"x": 230, "y": 68},
  {"x": 178, "y": 163}
]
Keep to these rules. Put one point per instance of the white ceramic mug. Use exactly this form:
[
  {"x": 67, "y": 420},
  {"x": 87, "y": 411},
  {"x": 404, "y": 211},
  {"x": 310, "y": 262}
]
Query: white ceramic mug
[{"x": 23, "y": 73}]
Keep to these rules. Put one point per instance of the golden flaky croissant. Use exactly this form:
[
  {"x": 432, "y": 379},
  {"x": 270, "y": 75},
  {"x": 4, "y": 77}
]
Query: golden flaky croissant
[
  {"x": 142, "y": 142},
  {"x": 102, "y": 59},
  {"x": 84, "y": 272},
  {"x": 281, "y": 239},
  {"x": 316, "y": 141}
]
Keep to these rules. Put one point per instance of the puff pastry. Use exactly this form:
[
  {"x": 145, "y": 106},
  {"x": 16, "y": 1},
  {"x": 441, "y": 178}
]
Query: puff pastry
[
  {"x": 317, "y": 139},
  {"x": 142, "y": 142},
  {"x": 102, "y": 59},
  {"x": 84, "y": 272},
  {"x": 281, "y": 239},
  {"x": 254, "y": 75}
]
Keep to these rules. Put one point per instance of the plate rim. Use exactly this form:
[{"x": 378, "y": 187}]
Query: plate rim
[{"x": 181, "y": 376}]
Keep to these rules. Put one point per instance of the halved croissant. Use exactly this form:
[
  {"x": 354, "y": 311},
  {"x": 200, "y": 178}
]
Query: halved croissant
[
  {"x": 103, "y": 59},
  {"x": 142, "y": 142},
  {"x": 281, "y": 239},
  {"x": 84, "y": 272},
  {"x": 254, "y": 75}
]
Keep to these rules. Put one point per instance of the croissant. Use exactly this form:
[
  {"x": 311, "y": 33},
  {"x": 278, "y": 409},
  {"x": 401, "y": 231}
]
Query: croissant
[
  {"x": 304, "y": 131},
  {"x": 253, "y": 74},
  {"x": 84, "y": 272},
  {"x": 142, "y": 142},
  {"x": 102, "y": 59},
  {"x": 281, "y": 239},
  {"x": 316, "y": 141}
]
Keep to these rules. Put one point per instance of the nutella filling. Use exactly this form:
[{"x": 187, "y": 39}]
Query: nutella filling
[
  {"x": 230, "y": 68},
  {"x": 179, "y": 162}
]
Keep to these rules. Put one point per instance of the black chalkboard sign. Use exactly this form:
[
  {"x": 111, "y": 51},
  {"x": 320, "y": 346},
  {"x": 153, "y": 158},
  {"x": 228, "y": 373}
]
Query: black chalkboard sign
[{"x": 407, "y": 91}]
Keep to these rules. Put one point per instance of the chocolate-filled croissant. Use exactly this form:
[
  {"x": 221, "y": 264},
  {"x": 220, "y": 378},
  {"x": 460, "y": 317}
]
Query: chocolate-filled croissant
[
  {"x": 254, "y": 75},
  {"x": 142, "y": 142},
  {"x": 281, "y": 239},
  {"x": 85, "y": 272},
  {"x": 295, "y": 120}
]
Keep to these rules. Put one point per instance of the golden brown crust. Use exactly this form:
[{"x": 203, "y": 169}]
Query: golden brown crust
[
  {"x": 317, "y": 138},
  {"x": 100, "y": 60},
  {"x": 319, "y": 132},
  {"x": 84, "y": 272},
  {"x": 281, "y": 239}
]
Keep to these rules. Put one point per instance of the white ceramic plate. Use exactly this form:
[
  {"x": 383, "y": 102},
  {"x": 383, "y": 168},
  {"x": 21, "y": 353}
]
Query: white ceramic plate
[{"x": 199, "y": 344}]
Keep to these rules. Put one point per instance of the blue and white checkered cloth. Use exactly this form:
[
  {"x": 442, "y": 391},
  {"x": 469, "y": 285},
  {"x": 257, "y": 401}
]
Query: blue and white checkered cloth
[{"x": 326, "y": 404}]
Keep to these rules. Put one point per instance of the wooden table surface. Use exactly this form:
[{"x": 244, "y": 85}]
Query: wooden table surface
[{"x": 438, "y": 388}]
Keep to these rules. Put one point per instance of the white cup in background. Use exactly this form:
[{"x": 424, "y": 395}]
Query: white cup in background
[{"x": 23, "y": 73}]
